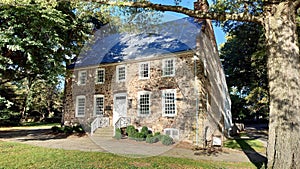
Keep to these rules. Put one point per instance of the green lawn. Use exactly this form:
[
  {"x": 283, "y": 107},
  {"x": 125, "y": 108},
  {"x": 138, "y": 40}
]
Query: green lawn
[
  {"x": 245, "y": 144},
  {"x": 17, "y": 155}
]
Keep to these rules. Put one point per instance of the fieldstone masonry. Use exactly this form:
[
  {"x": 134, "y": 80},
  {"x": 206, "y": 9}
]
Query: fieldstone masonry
[{"x": 208, "y": 87}]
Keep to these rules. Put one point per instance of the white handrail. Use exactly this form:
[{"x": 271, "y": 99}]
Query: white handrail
[
  {"x": 94, "y": 125},
  {"x": 99, "y": 122},
  {"x": 122, "y": 122}
]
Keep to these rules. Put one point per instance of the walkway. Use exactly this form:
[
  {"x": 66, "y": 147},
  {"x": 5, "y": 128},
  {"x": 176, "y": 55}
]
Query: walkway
[{"x": 44, "y": 138}]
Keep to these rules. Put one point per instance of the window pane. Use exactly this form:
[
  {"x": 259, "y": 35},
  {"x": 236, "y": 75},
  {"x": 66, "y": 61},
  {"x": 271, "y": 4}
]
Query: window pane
[
  {"x": 82, "y": 77},
  {"x": 121, "y": 73},
  {"x": 99, "y": 105},
  {"x": 144, "y": 70},
  {"x": 169, "y": 67},
  {"x": 144, "y": 104},
  {"x": 169, "y": 103},
  {"x": 100, "y": 76},
  {"x": 80, "y": 106}
]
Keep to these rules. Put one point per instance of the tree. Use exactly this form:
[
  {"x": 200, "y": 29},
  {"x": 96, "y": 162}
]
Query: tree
[
  {"x": 35, "y": 38},
  {"x": 245, "y": 68},
  {"x": 278, "y": 18}
]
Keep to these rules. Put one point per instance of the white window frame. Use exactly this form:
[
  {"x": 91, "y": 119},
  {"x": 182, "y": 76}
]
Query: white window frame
[
  {"x": 80, "y": 76},
  {"x": 97, "y": 76},
  {"x": 142, "y": 70},
  {"x": 164, "y": 103},
  {"x": 77, "y": 106},
  {"x": 139, "y": 105},
  {"x": 95, "y": 104},
  {"x": 172, "y": 133},
  {"x": 118, "y": 73},
  {"x": 164, "y": 61}
]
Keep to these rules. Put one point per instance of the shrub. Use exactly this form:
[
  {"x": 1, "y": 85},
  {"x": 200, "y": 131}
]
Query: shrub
[
  {"x": 130, "y": 130},
  {"x": 166, "y": 140},
  {"x": 151, "y": 139},
  {"x": 78, "y": 129},
  {"x": 156, "y": 133},
  {"x": 139, "y": 136},
  {"x": 68, "y": 130},
  {"x": 118, "y": 134},
  {"x": 145, "y": 130},
  {"x": 55, "y": 129}
]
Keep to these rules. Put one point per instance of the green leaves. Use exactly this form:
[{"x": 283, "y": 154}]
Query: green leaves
[{"x": 246, "y": 69}]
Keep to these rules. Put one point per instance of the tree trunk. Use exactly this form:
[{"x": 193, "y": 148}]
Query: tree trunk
[{"x": 284, "y": 85}]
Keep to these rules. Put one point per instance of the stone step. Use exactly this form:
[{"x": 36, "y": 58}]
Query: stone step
[{"x": 104, "y": 132}]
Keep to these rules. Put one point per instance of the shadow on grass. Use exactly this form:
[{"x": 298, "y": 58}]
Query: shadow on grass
[
  {"x": 256, "y": 158},
  {"x": 33, "y": 134}
]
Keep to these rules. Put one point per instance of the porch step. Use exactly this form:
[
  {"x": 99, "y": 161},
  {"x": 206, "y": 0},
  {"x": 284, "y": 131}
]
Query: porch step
[{"x": 107, "y": 132}]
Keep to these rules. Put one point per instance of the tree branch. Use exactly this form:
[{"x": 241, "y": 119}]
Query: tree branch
[
  {"x": 297, "y": 4},
  {"x": 192, "y": 13}
]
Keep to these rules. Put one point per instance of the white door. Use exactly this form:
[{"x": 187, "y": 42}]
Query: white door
[{"x": 120, "y": 106}]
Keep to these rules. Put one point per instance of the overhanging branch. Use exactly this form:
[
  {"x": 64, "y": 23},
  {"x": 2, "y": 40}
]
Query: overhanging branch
[
  {"x": 192, "y": 13},
  {"x": 297, "y": 4}
]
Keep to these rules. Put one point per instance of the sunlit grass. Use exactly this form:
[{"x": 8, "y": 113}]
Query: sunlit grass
[
  {"x": 245, "y": 144},
  {"x": 17, "y": 155}
]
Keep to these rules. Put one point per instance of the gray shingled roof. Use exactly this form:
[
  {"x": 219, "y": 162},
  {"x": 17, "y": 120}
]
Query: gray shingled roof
[{"x": 170, "y": 37}]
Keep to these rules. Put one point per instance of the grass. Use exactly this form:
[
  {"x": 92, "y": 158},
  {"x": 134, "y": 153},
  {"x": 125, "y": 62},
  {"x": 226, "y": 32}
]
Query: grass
[
  {"x": 245, "y": 144},
  {"x": 18, "y": 155}
]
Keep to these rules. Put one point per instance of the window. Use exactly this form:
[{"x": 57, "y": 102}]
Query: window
[
  {"x": 121, "y": 73},
  {"x": 82, "y": 77},
  {"x": 169, "y": 67},
  {"x": 174, "y": 133},
  {"x": 144, "y": 70},
  {"x": 169, "y": 102},
  {"x": 80, "y": 106},
  {"x": 100, "y": 76},
  {"x": 98, "y": 105},
  {"x": 143, "y": 103}
]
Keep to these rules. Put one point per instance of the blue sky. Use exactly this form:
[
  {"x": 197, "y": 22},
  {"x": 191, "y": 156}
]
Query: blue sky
[{"x": 220, "y": 35}]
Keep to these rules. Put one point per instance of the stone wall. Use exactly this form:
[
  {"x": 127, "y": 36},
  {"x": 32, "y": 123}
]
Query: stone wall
[
  {"x": 183, "y": 82},
  {"x": 209, "y": 87}
]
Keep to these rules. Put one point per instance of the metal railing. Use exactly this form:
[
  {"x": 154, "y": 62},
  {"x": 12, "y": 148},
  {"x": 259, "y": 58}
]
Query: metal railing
[
  {"x": 99, "y": 122},
  {"x": 122, "y": 122}
]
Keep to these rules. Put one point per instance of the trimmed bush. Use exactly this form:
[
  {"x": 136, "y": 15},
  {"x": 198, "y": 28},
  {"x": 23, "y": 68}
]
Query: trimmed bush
[
  {"x": 68, "y": 130},
  {"x": 166, "y": 140},
  {"x": 130, "y": 130},
  {"x": 145, "y": 130},
  {"x": 151, "y": 139},
  {"x": 156, "y": 133},
  {"x": 78, "y": 129},
  {"x": 139, "y": 137},
  {"x": 159, "y": 137},
  {"x": 118, "y": 134}
]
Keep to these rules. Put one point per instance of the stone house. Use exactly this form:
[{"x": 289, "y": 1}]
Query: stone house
[{"x": 169, "y": 79}]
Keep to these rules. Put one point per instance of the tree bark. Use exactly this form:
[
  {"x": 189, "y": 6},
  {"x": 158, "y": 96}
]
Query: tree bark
[{"x": 284, "y": 85}]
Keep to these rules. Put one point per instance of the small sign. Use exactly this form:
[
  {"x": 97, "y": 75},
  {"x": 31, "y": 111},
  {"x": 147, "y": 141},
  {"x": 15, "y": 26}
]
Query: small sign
[{"x": 216, "y": 141}]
